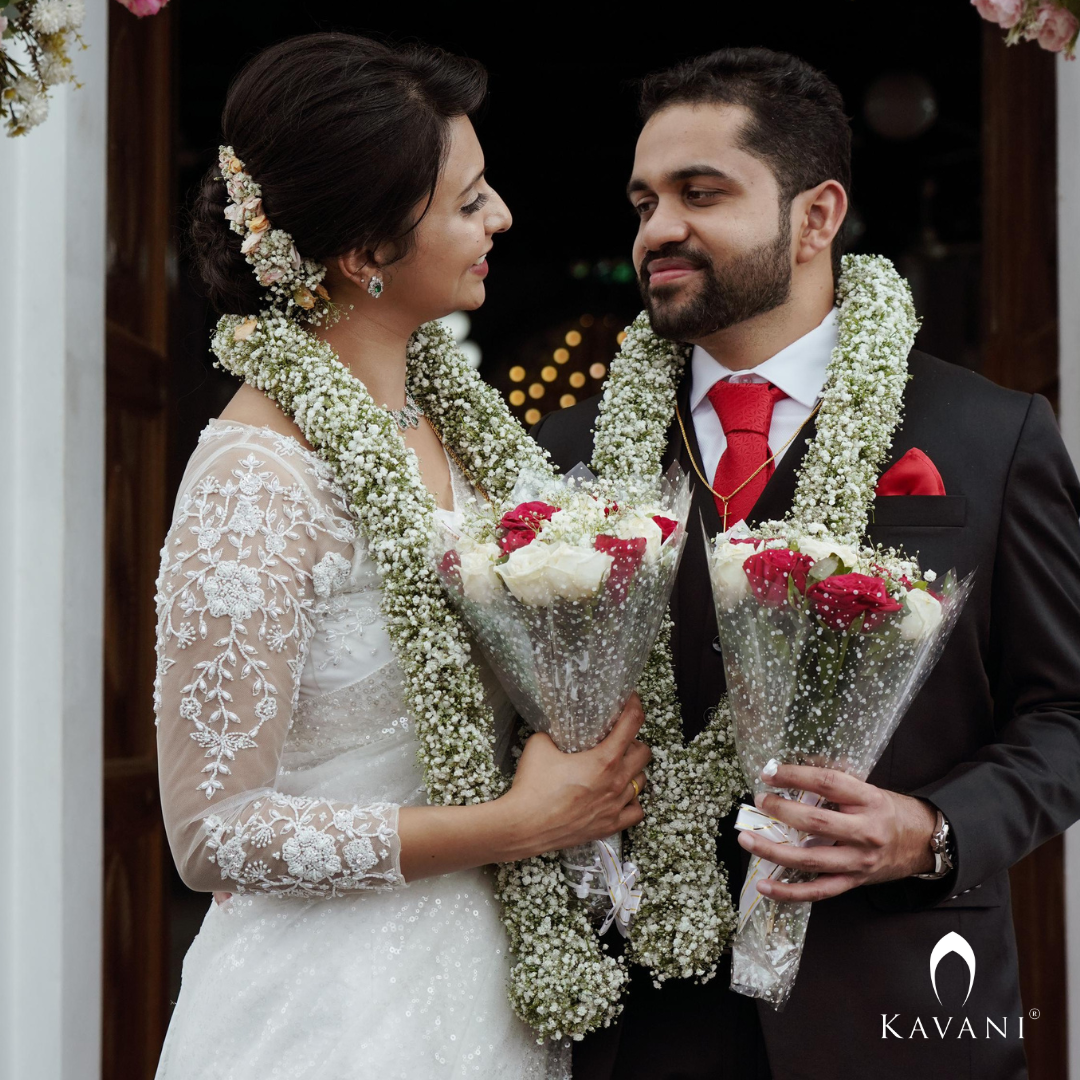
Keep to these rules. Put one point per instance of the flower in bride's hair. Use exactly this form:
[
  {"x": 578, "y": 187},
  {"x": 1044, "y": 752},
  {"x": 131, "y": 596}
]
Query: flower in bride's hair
[{"x": 1005, "y": 13}]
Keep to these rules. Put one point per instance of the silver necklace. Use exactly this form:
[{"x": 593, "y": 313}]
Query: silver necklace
[{"x": 409, "y": 416}]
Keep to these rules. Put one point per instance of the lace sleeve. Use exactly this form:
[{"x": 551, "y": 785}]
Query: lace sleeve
[{"x": 252, "y": 545}]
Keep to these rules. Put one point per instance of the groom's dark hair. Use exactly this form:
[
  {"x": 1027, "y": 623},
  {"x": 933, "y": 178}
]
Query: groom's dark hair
[{"x": 797, "y": 122}]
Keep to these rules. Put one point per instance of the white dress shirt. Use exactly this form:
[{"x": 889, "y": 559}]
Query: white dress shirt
[{"x": 798, "y": 370}]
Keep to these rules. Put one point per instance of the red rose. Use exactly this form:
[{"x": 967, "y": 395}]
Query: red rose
[
  {"x": 667, "y": 527},
  {"x": 522, "y": 524},
  {"x": 769, "y": 572},
  {"x": 627, "y": 555},
  {"x": 451, "y": 561},
  {"x": 840, "y": 600}
]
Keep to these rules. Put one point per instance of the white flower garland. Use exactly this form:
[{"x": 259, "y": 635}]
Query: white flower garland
[
  {"x": 687, "y": 917},
  {"x": 861, "y": 403},
  {"x": 563, "y": 982}
]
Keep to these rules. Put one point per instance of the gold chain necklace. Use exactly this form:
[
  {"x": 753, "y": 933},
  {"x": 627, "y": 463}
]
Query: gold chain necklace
[
  {"x": 452, "y": 454},
  {"x": 725, "y": 499}
]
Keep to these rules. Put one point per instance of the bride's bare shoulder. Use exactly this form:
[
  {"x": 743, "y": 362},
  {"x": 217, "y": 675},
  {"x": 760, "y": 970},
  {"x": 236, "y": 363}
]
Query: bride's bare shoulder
[{"x": 251, "y": 406}]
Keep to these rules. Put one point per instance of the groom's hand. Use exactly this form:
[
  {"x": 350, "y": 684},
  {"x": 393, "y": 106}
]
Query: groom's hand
[{"x": 879, "y": 835}]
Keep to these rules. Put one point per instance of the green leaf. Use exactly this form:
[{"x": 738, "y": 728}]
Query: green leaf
[{"x": 822, "y": 569}]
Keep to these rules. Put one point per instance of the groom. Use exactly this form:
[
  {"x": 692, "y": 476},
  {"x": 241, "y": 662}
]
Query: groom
[{"x": 740, "y": 183}]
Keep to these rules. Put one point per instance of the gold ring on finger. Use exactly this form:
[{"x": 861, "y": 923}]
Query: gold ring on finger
[{"x": 637, "y": 790}]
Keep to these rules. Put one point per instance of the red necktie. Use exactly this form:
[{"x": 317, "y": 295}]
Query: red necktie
[{"x": 745, "y": 411}]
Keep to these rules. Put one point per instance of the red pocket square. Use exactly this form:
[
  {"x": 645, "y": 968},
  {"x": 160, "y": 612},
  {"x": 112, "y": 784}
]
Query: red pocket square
[{"x": 913, "y": 474}]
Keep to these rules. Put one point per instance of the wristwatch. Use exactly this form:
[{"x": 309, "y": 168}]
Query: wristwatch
[{"x": 941, "y": 844}]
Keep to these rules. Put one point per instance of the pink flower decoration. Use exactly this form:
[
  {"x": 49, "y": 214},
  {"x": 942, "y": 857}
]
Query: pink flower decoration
[
  {"x": 1055, "y": 27},
  {"x": 144, "y": 7},
  {"x": 1005, "y": 13}
]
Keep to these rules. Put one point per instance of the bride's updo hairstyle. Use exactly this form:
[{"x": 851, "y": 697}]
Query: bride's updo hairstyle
[{"x": 346, "y": 137}]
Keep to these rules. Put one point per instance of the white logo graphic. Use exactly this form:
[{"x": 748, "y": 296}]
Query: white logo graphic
[{"x": 952, "y": 943}]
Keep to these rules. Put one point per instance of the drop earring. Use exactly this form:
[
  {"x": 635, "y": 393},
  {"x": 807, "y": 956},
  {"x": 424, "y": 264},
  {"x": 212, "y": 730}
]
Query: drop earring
[{"x": 375, "y": 286}]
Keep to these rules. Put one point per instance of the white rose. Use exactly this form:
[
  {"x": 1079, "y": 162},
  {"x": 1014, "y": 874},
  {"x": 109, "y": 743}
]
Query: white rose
[
  {"x": 729, "y": 582},
  {"x": 921, "y": 617},
  {"x": 477, "y": 572},
  {"x": 822, "y": 549},
  {"x": 577, "y": 573},
  {"x": 637, "y": 525},
  {"x": 540, "y": 573}
]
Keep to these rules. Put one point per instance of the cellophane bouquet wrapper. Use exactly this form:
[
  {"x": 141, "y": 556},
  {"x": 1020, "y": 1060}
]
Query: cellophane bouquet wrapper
[
  {"x": 825, "y": 646},
  {"x": 564, "y": 588}
]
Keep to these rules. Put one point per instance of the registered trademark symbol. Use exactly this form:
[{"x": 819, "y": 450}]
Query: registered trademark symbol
[{"x": 1034, "y": 1014}]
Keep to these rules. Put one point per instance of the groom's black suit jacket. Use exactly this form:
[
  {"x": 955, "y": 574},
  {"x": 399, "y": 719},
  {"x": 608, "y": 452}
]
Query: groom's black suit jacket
[{"x": 993, "y": 740}]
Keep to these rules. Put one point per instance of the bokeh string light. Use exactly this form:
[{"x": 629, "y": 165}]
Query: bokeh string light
[{"x": 561, "y": 366}]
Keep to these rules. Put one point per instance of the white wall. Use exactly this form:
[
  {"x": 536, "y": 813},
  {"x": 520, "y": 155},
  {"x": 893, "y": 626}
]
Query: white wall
[
  {"x": 52, "y": 414},
  {"x": 1068, "y": 148}
]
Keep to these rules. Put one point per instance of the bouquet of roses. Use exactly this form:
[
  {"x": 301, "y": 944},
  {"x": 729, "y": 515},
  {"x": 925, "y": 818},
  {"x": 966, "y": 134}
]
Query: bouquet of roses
[
  {"x": 564, "y": 588},
  {"x": 825, "y": 645}
]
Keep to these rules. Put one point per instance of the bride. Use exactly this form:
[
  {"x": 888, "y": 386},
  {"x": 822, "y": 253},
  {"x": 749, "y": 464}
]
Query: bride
[{"x": 360, "y": 936}]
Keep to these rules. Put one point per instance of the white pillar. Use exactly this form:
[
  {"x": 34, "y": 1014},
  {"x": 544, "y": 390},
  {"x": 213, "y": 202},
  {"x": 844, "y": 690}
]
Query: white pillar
[
  {"x": 1068, "y": 150},
  {"x": 52, "y": 417}
]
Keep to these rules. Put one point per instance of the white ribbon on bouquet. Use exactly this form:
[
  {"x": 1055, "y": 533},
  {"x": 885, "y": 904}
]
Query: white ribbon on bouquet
[
  {"x": 751, "y": 819},
  {"x": 620, "y": 883}
]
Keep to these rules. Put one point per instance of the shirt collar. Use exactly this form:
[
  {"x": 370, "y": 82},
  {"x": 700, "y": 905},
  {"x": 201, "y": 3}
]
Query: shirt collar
[{"x": 798, "y": 370}]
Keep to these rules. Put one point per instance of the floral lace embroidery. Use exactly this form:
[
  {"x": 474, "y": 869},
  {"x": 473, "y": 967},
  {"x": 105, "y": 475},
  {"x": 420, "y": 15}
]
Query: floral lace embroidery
[
  {"x": 326, "y": 852},
  {"x": 342, "y": 623},
  {"x": 262, "y": 582}
]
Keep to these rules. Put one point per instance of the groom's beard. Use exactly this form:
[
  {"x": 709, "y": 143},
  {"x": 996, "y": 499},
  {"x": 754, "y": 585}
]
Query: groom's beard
[{"x": 746, "y": 286}]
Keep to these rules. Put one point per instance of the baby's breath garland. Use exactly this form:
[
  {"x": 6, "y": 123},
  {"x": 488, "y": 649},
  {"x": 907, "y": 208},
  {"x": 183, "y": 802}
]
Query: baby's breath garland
[
  {"x": 563, "y": 983},
  {"x": 686, "y": 916},
  {"x": 862, "y": 402}
]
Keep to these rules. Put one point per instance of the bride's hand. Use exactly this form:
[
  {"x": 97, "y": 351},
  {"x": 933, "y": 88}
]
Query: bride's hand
[{"x": 565, "y": 799}]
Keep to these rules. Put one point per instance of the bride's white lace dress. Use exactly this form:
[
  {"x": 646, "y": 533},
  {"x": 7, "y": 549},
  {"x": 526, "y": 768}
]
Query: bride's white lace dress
[{"x": 285, "y": 752}]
